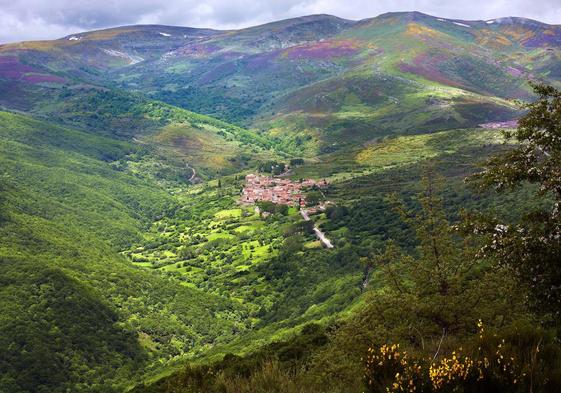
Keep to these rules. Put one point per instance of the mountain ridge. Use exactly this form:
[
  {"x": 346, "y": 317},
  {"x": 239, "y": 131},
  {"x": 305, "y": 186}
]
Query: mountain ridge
[
  {"x": 252, "y": 76},
  {"x": 303, "y": 18}
]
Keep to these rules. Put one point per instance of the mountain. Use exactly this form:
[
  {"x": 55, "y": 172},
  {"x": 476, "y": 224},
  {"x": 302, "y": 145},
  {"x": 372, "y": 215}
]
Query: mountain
[
  {"x": 319, "y": 72},
  {"x": 123, "y": 249}
]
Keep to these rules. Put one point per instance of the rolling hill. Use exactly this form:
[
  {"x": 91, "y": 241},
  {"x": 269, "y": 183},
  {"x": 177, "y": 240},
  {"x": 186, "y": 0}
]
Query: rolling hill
[{"x": 309, "y": 82}]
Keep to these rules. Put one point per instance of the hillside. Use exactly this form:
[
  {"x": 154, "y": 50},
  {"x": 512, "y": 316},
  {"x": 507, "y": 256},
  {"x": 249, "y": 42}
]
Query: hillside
[
  {"x": 127, "y": 261},
  {"x": 243, "y": 75},
  {"x": 69, "y": 301},
  {"x": 319, "y": 72}
]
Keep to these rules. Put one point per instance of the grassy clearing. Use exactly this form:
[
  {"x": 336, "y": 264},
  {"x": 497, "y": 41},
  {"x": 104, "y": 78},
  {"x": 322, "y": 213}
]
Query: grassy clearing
[
  {"x": 383, "y": 154},
  {"x": 231, "y": 213}
]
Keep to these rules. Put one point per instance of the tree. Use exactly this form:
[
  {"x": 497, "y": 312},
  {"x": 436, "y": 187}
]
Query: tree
[
  {"x": 273, "y": 167},
  {"x": 281, "y": 209},
  {"x": 531, "y": 246},
  {"x": 437, "y": 280},
  {"x": 266, "y": 206},
  {"x": 271, "y": 207},
  {"x": 336, "y": 212},
  {"x": 425, "y": 299},
  {"x": 313, "y": 198},
  {"x": 292, "y": 245},
  {"x": 4, "y": 188}
]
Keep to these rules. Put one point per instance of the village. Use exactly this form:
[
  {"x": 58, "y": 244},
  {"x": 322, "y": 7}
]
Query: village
[
  {"x": 285, "y": 192},
  {"x": 280, "y": 191}
]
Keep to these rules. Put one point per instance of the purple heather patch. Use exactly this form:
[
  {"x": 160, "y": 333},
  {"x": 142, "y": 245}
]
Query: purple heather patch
[
  {"x": 198, "y": 50},
  {"x": 544, "y": 40},
  {"x": 42, "y": 78},
  {"x": 262, "y": 60},
  {"x": 500, "y": 124},
  {"x": 11, "y": 68},
  {"x": 8, "y": 59},
  {"x": 514, "y": 71},
  {"x": 426, "y": 66},
  {"x": 324, "y": 50}
]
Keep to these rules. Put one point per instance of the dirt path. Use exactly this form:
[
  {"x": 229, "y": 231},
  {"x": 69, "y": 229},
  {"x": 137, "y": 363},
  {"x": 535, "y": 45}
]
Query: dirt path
[
  {"x": 194, "y": 175},
  {"x": 321, "y": 236},
  {"x": 365, "y": 278}
]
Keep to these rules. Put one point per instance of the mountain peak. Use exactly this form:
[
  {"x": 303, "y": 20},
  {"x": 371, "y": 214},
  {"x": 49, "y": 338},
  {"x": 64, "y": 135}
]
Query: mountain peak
[
  {"x": 314, "y": 19},
  {"x": 513, "y": 20}
]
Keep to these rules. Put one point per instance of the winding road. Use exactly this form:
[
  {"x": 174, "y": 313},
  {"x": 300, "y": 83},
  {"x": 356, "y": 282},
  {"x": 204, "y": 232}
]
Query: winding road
[{"x": 321, "y": 236}]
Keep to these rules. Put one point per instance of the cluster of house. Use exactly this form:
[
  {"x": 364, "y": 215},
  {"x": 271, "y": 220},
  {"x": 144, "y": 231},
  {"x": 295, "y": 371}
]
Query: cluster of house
[{"x": 281, "y": 191}]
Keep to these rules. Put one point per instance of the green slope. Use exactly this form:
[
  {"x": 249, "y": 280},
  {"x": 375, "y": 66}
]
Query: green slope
[
  {"x": 176, "y": 135},
  {"x": 75, "y": 314}
]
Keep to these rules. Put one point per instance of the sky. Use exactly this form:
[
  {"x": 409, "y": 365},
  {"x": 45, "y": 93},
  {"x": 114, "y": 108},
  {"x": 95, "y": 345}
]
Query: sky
[{"x": 47, "y": 19}]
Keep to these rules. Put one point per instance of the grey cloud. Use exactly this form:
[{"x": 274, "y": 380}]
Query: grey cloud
[{"x": 46, "y": 19}]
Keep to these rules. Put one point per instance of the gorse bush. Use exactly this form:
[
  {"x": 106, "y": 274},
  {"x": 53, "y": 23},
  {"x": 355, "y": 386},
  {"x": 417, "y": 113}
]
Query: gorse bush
[
  {"x": 388, "y": 369},
  {"x": 525, "y": 361}
]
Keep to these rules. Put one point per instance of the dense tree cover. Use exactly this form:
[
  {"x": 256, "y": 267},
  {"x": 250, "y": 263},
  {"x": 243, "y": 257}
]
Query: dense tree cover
[
  {"x": 124, "y": 114},
  {"x": 57, "y": 334},
  {"x": 296, "y": 161},
  {"x": 428, "y": 299},
  {"x": 313, "y": 198},
  {"x": 271, "y": 262},
  {"x": 271, "y": 207},
  {"x": 173, "y": 135},
  {"x": 232, "y": 109},
  {"x": 368, "y": 223},
  {"x": 75, "y": 314},
  {"x": 272, "y": 167}
]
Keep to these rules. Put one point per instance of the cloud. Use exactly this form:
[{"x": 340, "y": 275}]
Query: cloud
[{"x": 46, "y": 19}]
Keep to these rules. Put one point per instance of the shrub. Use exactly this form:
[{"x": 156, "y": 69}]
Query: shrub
[{"x": 520, "y": 362}]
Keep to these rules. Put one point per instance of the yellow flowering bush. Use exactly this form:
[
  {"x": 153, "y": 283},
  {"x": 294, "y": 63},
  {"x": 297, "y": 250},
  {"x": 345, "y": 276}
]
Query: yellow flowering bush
[
  {"x": 491, "y": 367},
  {"x": 451, "y": 371},
  {"x": 388, "y": 369}
]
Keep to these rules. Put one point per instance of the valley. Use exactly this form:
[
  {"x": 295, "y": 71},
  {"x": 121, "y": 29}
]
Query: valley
[{"x": 181, "y": 204}]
